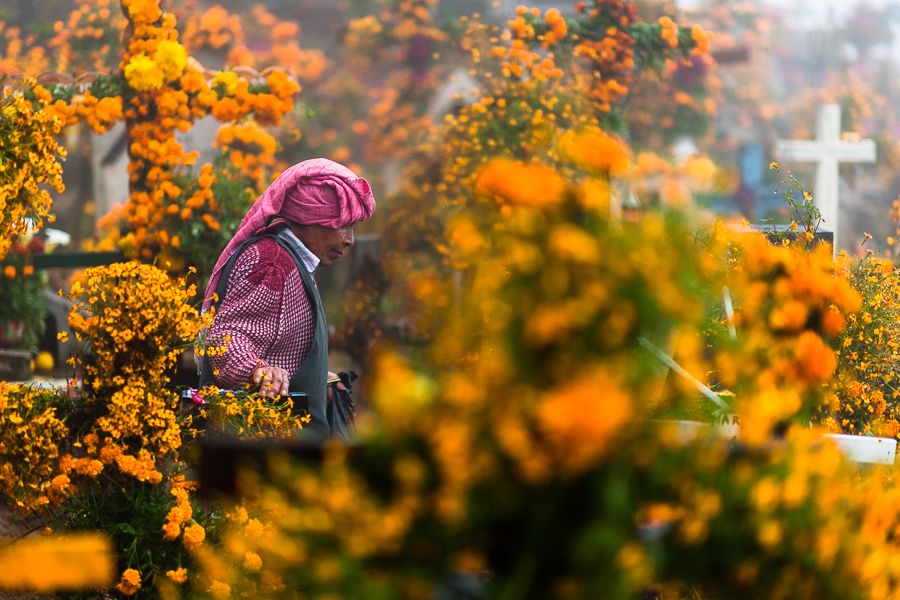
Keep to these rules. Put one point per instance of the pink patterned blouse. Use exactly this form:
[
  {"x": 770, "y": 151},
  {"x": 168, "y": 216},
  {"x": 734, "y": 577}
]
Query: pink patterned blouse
[{"x": 267, "y": 314}]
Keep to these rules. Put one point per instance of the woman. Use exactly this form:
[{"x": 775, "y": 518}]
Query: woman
[{"x": 269, "y": 317}]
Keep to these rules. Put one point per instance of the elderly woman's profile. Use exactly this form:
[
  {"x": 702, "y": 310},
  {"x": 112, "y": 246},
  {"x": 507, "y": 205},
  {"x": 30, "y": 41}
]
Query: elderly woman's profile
[{"x": 269, "y": 316}]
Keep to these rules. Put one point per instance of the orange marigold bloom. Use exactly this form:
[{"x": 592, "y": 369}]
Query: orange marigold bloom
[
  {"x": 179, "y": 576},
  {"x": 252, "y": 561},
  {"x": 816, "y": 360},
  {"x": 194, "y": 536},
  {"x": 88, "y": 466},
  {"x": 892, "y": 428},
  {"x": 520, "y": 184},
  {"x": 702, "y": 40},
  {"x": 220, "y": 590},
  {"x": 790, "y": 317},
  {"x": 9, "y": 271},
  {"x": 832, "y": 322},
  {"x": 226, "y": 109},
  {"x": 172, "y": 530},
  {"x": 580, "y": 419},
  {"x": 130, "y": 583},
  {"x": 596, "y": 151},
  {"x": 211, "y": 222}
]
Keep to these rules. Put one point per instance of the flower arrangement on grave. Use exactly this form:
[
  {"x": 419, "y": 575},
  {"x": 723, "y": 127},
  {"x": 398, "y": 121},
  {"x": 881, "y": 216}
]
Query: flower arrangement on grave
[
  {"x": 157, "y": 91},
  {"x": 860, "y": 398},
  {"x": 520, "y": 439},
  {"x": 273, "y": 41},
  {"x": 29, "y": 161},
  {"x": 864, "y": 394},
  {"x": 89, "y": 39},
  {"x": 111, "y": 456},
  {"x": 539, "y": 79}
]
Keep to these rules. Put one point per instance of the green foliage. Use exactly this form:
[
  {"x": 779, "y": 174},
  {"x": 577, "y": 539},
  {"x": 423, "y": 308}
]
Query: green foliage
[{"x": 22, "y": 290}]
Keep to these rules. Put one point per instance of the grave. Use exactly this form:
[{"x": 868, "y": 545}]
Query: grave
[{"x": 828, "y": 151}]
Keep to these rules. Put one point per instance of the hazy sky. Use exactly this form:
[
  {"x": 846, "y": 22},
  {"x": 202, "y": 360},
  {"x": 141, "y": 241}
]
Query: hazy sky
[{"x": 812, "y": 13}]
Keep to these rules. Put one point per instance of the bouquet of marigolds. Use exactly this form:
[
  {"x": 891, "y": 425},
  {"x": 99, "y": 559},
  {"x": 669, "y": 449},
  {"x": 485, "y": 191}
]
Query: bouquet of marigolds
[
  {"x": 29, "y": 159},
  {"x": 110, "y": 455},
  {"x": 863, "y": 399},
  {"x": 515, "y": 456}
]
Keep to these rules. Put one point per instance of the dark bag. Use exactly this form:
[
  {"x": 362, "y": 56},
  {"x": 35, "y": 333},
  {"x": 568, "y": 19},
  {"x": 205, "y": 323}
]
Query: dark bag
[{"x": 342, "y": 412}]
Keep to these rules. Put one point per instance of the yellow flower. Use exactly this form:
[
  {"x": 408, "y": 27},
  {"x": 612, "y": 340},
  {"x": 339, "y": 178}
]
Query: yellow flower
[
  {"x": 228, "y": 79},
  {"x": 143, "y": 74},
  {"x": 171, "y": 58}
]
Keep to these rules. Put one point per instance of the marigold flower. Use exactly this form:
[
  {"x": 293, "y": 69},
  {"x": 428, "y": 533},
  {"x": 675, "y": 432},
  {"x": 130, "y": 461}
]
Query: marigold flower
[
  {"x": 171, "y": 58},
  {"x": 130, "y": 583},
  {"x": 254, "y": 528},
  {"x": 178, "y": 576},
  {"x": 817, "y": 360},
  {"x": 832, "y": 322},
  {"x": 193, "y": 536},
  {"x": 172, "y": 530},
  {"x": 220, "y": 590},
  {"x": 892, "y": 428},
  {"x": 579, "y": 432},
  {"x": 702, "y": 39},
  {"x": 143, "y": 74},
  {"x": 596, "y": 151},
  {"x": 252, "y": 561},
  {"x": 521, "y": 184}
]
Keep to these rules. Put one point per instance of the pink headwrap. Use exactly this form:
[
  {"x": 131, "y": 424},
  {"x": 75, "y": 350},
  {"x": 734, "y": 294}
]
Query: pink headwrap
[{"x": 314, "y": 192}]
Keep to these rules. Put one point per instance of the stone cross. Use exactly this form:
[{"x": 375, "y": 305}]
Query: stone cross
[{"x": 828, "y": 151}]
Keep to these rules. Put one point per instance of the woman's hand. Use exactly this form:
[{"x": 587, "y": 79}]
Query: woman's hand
[
  {"x": 273, "y": 381},
  {"x": 340, "y": 386}
]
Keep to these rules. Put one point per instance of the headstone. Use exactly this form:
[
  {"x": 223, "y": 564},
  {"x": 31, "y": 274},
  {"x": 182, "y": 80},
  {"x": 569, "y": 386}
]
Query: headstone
[
  {"x": 776, "y": 232},
  {"x": 865, "y": 448},
  {"x": 109, "y": 163},
  {"x": 200, "y": 138},
  {"x": 827, "y": 151},
  {"x": 15, "y": 365},
  {"x": 109, "y": 160},
  {"x": 751, "y": 162},
  {"x": 459, "y": 89}
]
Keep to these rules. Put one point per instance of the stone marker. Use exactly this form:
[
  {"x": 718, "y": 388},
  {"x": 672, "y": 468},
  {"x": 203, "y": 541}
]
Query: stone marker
[{"x": 827, "y": 151}]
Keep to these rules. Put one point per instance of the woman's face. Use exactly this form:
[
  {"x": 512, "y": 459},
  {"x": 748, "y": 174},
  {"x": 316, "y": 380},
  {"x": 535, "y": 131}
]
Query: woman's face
[{"x": 326, "y": 243}]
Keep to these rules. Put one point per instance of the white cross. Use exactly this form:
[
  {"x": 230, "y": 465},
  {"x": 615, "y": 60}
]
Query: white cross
[{"x": 828, "y": 151}]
